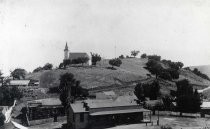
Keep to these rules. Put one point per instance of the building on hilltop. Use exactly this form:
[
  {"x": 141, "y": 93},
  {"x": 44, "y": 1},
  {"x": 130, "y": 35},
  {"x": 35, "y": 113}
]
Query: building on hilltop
[{"x": 73, "y": 55}]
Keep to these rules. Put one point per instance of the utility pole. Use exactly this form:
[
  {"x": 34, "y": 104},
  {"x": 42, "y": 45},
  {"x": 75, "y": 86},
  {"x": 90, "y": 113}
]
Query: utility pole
[{"x": 115, "y": 51}]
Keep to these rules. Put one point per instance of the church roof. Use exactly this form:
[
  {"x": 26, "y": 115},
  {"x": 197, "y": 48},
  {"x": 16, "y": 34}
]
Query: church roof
[{"x": 76, "y": 55}]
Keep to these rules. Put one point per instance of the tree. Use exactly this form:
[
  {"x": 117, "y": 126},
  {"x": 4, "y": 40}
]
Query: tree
[
  {"x": 66, "y": 63},
  {"x": 121, "y": 57},
  {"x": 187, "y": 100},
  {"x": 2, "y": 119},
  {"x": 139, "y": 92},
  {"x": 155, "y": 90},
  {"x": 144, "y": 56},
  {"x": 134, "y": 53},
  {"x": 82, "y": 60},
  {"x": 18, "y": 73},
  {"x": 8, "y": 95},
  {"x": 48, "y": 66},
  {"x": 154, "y": 67},
  {"x": 70, "y": 89},
  {"x": 154, "y": 57},
  {"x": 180, "y": 64},
  {"x": 67, "y": 81},
  {"x": 60, "y": 66},
  {"x": 37, "y": 69},
  {"x": 115, "y": 62},
  {"x": 95, "y": 58}
]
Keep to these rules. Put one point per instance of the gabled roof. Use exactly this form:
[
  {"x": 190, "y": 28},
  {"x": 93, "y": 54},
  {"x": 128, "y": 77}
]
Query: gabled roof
[
  {"x": 76, "y": 55},
  {"x": 19, "y": 82}
]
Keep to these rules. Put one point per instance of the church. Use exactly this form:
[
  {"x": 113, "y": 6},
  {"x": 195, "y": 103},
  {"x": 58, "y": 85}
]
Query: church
[{"x": 73, "y": 55}]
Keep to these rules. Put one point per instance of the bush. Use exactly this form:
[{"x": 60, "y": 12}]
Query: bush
[
  {"x": 134, "y": 53},
  {"x": 144, "y": 56},
  {"x": 166, "y": 75},
  {"x": 121, "y": 57},
  {"x": 95, "y": 58},
  {"x": 154, "y": 57},
  {"x": 115, "y": 62},
  {"x": 48, "y": 66},
  {"x": 37, "y": 69}
]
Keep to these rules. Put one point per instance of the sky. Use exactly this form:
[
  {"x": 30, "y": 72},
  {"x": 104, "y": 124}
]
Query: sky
[{"x": 34, "y": 32}]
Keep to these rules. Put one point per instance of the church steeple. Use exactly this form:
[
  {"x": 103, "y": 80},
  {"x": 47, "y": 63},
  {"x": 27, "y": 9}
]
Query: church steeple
[
  {"x": 66, "y": 47},
  {"x": 66, "y": 52}
]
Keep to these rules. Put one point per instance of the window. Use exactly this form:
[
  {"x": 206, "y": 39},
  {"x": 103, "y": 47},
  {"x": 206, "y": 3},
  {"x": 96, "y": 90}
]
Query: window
[{"x": 82, "y": 117}]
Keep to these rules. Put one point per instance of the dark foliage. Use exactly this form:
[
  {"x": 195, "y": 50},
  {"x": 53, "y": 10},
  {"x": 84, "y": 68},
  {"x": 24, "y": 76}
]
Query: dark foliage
[
  {"x": 2, "y": 119},
  {"x": 199, "y": 73},
  {"x": 154, "y": 57},
  {"x": 144, "y": 56},
  {"x": 187, "y": 100},
  {"x": 139, "y": 92},
  {"x": 69, "y": 83},
  {"x": 47, "y": 66},
  {"x": 155, "y": 90},
  {"x": 80, "y": 60},
  {"x": 134, "y": 53},
  {"x": 147, "y": 90},
  {"x": 18, "y": 73},
  {"x": 156, "y": 68},
  {"x": 95, "y": 58},
  {"x": 165, "y": 75},
  {"x": 61, "y": 65},
  {"x": 8, "y": 95},
  {"x": 115, "y": 62},
  {"x": 121, "y": 57},
  {"x": 66, "y": 63},
  {"x": 37, "y": 69},
  {"x": 173, "y": 72}
]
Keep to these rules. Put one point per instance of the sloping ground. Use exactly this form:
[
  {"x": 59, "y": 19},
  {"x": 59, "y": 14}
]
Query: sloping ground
[
  {"x": 203, "y": 68},
  {"x": 125, "y": 77},
  {"x": 194, "y": 79},
  {"x": 130, "y": 70}
]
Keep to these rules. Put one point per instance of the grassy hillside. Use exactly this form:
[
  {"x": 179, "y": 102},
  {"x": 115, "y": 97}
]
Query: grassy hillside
[
  {"x": 123, "y": 79},
  {"x": 203, "y": 68}
]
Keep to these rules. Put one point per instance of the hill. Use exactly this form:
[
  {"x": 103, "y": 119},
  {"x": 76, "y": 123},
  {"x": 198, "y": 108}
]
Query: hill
[
  {"x": 121, "y": 80},
  {"x": 203, "y": 68}
]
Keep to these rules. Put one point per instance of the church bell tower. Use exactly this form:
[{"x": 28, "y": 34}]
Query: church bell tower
[{"x": 66, "y": 52}]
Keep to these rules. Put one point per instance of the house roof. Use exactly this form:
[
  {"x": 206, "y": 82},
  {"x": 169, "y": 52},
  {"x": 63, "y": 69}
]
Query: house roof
[
  {"x": 119, "y": 112},
  {"x": 109, "y": 93},
  {"x": 78, "y": 107},
  {"x": 109, "y": 103},
  {"x": 205, "y": 105},
  {"x": 47, "y": 102},
  {"x": 76, "y": 55},
  {"x": 19, "y": 82}
]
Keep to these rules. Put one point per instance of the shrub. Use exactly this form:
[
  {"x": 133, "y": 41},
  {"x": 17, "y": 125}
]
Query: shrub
[
  {"x": 166, "y": 75},
  {"x": 48, "y": 66},
  {"x": 95, "y": 58},
  {"x": 37, "y": 69},
  {"x": 154, "y": 57},
  {"x": 115, "y": 62},
  {"x": 121, "y": 57},
  {"x": 144, "y": 56},
  {"x": 134, "y": 53}
]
